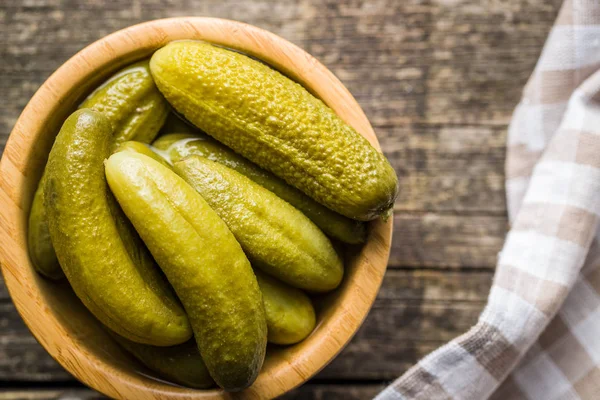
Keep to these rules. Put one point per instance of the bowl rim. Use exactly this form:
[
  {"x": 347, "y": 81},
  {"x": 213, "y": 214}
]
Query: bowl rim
[{"x": 117, "y": 49}]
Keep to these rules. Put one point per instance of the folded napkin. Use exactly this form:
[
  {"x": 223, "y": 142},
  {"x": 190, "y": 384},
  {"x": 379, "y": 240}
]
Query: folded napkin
[{"x": 538, "y": 337}]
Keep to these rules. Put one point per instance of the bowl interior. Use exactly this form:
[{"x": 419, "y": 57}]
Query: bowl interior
[{"x": 58, "y": 319}]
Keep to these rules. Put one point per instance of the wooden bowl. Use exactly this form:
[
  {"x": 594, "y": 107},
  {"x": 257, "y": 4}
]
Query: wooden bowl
[{"x": 51, "y": 310}]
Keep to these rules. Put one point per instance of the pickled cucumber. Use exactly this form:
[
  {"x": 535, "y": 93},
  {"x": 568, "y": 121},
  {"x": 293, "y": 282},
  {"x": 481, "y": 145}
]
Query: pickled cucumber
[
  {"x": 202, "y": 260},
  {"x": 277, "y": 237},
  {"x": 178, "y": 146},
  {"x": 100, "y": 254},
  {"x": 290, "y": 314},
  {"x": 180, "y": 364},
  {"x": 277, "y": 124},
  {"x": 136, "y": 110},
  {"x": 132, "y": 103},
  {"x": 41, "y": 250},
  {"x": 138, "y": 147}
]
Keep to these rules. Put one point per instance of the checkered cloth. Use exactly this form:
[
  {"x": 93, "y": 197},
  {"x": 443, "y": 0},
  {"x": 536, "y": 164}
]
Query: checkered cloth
[{"x": 539, "y": 335}]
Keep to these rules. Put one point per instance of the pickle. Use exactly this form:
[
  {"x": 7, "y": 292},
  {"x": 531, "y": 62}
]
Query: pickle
[
  {"x": 203, "y": 262},
  {"x": 277, "y": 124},
  {"x": 101, "y": 255},
  {"x": 178, "y": 146},
  {"x": 142, "y": 148},
  {"x": 41, "y": 250},
  {"x": 136, "y": 110},
  {"x": 180, "y": 364},
  {"x": 290, "y": 314},
  {"x": 276, "y": 237},
  {"x": 132, "y": 103}
]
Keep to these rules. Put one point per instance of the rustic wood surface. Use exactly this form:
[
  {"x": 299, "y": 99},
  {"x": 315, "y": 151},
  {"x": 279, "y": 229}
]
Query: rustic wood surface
[{"x": 437, "y": 78}]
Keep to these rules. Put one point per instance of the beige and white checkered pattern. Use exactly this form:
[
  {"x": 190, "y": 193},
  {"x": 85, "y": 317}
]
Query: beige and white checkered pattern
[{"x": 539, "y": 335}]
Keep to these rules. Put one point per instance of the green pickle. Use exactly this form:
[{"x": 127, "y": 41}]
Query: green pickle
[
  {"x": 181, "y": 364},
  {"x": 277, "y": 237},
  {"x": 277, "y": 124},
  {"x": 101, "y": 255},
  {"x": 290, "y": 313},
  {"x": 136, "y": 110},
  {"x": 132, "y": 103},
  {"x": 203, "y": 262},
  {"x": 41, "y": 251},
  {"x": 180, "y": 145}
]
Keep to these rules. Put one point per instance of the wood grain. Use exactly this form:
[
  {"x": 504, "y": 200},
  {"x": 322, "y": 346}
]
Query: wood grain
[
  {"x": 437, "y": 241},
  {"x": 306, "y": 392},
  {"x": 448, "y": 169},
  {"x": 50, "y": 394}
]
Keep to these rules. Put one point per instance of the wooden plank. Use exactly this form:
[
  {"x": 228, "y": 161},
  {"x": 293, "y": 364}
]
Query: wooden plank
[
  {"x": 4, "y": 296},
  {"x": 442, "y": 168},
  {"x": 415, "y": 312},
  {"x": 451, "y": 62},
  {"x": 21, "y": 356},
  {"x": 350, "y": 391},
  {"x": 307, "y": 392},
  {"x": 49, "y": 394},
  {"x": 430, "y": 240}
]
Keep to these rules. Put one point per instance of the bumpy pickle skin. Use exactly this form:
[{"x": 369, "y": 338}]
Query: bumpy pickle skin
[
  {"x": 132, "y": 103},
  {"x": 137, "y": 110},
  {"x": 203, "y": 262},
  {"x": 277, "y": 124},
  {"x": 290, "y": 313},
  {"x": 101, "y": 255},
  {"x": 178, "y": 146},
  {"x": 276, "y": 237}
]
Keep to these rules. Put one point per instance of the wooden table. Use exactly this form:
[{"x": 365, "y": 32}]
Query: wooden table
[{"x": 437, "y": 78}]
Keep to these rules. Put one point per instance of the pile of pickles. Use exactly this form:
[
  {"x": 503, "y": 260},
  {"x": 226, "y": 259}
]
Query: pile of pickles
[{"x": 197, "y": 247}]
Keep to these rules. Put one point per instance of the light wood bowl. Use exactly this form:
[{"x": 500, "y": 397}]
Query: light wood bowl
[{"x": 52, "y": 312}]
